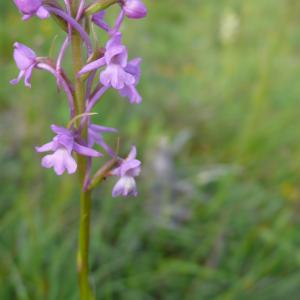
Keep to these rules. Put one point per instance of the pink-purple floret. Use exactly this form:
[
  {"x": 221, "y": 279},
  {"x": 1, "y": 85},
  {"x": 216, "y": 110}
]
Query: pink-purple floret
[
  {"x": 25, "y": 59},
  {"x": 129, "y": 168},
  {"x": 63, "y": 145}
]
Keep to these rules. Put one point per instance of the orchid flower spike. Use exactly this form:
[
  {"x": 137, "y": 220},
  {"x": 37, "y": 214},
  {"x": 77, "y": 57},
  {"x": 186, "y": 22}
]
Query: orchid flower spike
[
  {"x": 30, "y": 8},
  {"x": 134, "y": 9},
  {"x": 25, "y": 59},
  {"x": 62, "y": 145},
  {"x": 129, "y": 168}
]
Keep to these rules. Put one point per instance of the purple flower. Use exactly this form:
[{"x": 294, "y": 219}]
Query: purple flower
[
  {"x": 116, "y": 57},
  {"x": 62, "y": 145},
  {"x": 134, "y": 9},
  {"x": 95, "y": 137},
  {"x": 25, "y": 59},
  {"x": 30, "y": 8},
  {"x": 128, "y": 169},
  {"x": 130, "y": 91},
  {"x": 119, "y": 74}
]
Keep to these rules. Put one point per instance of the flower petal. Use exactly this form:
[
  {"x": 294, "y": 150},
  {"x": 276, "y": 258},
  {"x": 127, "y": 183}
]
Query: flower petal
[
  {"x": 116, "y": 40},
  {"x": 86, "y": 151},
  {"x": 131, "y": 93},
  {"x": 117, "y": 55},
  {"x": 58, "y": 161},
  {"x": 70, "y": 163},
  {"x": 17, "y": 80},
  {"x": 92, "y": 66},
  {"x": 125, "y": 186},
  {"x": 45, "y": 148},
  {"x": 28, "y": 75},
  {"x": 47, "y": 161},
  {"x": 131, "y": 167},
  {"x": 23, "y": 56},
  {"x": 134, "y": 67},
  {"x": 42, "y": 13},
  {"x": 26, "y": 17},
  {"x": 59, "y": 129},
  {"x": 132, "y": 154},
  {"x": 115, "y": 76},
  {"x": 101, "y": 129}
]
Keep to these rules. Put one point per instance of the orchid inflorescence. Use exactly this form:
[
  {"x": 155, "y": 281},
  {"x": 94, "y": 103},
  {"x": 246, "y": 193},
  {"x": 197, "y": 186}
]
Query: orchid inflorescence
[{"x": 115, "y": 71}]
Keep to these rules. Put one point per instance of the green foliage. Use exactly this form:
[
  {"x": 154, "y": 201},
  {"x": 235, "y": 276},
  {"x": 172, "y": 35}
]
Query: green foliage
[{"x": 218, "y": 215}]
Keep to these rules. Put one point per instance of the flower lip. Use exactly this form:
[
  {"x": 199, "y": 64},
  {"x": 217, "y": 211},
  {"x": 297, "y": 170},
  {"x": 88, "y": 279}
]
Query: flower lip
[
  {"x": 116, "y": 76},
  {"x": 60, "y": 160},
  {"x": 125, "y": 186}
]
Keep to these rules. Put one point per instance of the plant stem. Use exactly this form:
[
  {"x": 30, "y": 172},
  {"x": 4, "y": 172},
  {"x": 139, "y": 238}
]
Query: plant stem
[
  {"x": 83, "y": 248},
  {"x": 85, "y": 196}
]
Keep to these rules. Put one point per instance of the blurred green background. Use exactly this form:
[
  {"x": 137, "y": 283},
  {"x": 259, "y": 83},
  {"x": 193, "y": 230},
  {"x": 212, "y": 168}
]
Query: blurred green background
[{"x": 218, "y": 212}]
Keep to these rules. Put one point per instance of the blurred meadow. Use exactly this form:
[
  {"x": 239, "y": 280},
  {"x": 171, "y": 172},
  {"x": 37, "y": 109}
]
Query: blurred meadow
[{"x": 218, "y": 211}]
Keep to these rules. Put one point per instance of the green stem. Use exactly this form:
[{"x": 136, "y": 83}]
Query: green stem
[
  {"x": 83, "y": 248},
  {"x": 85, "y": 196}
]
